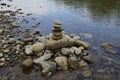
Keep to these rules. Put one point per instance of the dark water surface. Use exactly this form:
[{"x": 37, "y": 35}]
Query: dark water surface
[{"x": 99, "y": 18}]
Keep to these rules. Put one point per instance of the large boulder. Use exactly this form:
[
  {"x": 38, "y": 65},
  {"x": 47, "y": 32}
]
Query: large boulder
[
  {"x": 62, "y": 62},
  {"x": 37, "y": 47},
  {"x": 66, "y": 41}
]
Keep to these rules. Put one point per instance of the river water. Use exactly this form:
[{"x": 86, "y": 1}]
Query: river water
[{"x": 99, "y": 19}]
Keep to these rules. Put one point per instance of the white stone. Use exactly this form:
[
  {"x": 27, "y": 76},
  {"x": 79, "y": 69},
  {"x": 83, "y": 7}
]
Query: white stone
[{"x": 28, "y": 51}]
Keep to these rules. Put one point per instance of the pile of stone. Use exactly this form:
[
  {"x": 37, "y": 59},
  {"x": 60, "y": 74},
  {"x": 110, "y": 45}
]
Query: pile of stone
[{"x": 59, "y": 51}]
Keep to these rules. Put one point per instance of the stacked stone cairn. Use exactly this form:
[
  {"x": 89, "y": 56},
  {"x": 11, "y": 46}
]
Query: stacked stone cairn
[{"x": 59, "y": 51}]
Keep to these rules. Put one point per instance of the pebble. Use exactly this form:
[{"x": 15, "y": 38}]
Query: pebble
[
  {"x": 28, "y": 40},
  {"x": 27, "y": 63},
  {"x": 1, "y": 31},
  {"x": 2, "y": 64},
  {"x": 1, "y": 55},
  {"x": 28, "y": 51},
  {"x": 6, "y": 51},
  {"x": 2, "y": 59}
]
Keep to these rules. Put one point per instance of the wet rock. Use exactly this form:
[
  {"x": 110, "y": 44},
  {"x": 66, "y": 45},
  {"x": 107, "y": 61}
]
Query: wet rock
[
  {"x": 88, "y": 58},
  {"x": 42, "y": 58},
  {"x": 72, "y": 35},
  {"x": 82, "y": 43},
  {"x": 110, "y": 51},
  {"x": 73, "y": 62},
  {"x": 2, "y": 59},
  {"x": 1, "y": 55},
  {"x": 50, "y": 66},
  {"x": 82, "y": 63},
  {"x": 28, "y": 40},
  {"x": 57, "y": 22},
  {"x": 62, "y": 62},
  {"x": 6, "y": 51},
  {"x": 76, "y": 37},
  {"x": 1, "y": 31},
  {"x": 85, "y": 69},
  {"x": 36, "y": 32},
  {"x": 28, "y": 51},
  {"x": 67, "y": 51},
  {"x": 39, "y": 54},
  {"x": 41, "y": 39},
  {"x": 27, "y": 63},
  {"x": 11, "y": 40},
  {"x": 2, "y": 64},
  {"x": 15, "y": 25},
  {"x": 37, "y": 47},
  {"x": 5, "y": 78},
  {"x": 86, "y": 72},
  {"x": 66, "y": 41},
  {"x": 77, "y": 50},
  {"x": 105, "y": 45}
]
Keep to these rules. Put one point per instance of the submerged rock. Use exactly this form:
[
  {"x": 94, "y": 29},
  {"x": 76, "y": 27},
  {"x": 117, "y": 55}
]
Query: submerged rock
[
  {"x": 73, "y": 62},
  {"x": 82, "y": 43},
  {"x": 62, "y": 62},
  {"x": 110, "y": 51}
]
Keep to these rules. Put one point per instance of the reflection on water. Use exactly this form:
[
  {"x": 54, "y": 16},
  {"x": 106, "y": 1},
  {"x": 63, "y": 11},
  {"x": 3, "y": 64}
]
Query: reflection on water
[{"x": 98, "y": 17}]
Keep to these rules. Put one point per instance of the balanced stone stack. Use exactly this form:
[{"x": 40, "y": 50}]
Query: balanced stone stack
[{"x": 59, "y": 51}]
